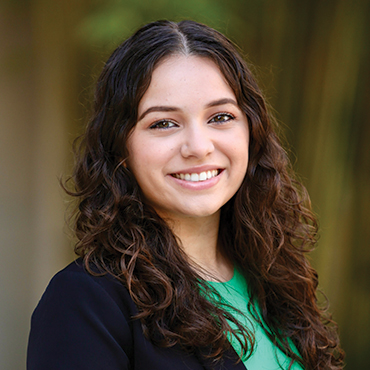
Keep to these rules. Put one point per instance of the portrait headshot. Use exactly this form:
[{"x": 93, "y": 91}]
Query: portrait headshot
[{"x": 185, "y": 185}]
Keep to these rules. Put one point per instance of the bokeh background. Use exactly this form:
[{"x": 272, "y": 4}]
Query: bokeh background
[{"x": 312, "y": 58}]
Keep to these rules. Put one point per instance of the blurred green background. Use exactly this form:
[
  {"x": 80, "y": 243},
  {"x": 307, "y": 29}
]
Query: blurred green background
[{"x": 312, "y": 60}]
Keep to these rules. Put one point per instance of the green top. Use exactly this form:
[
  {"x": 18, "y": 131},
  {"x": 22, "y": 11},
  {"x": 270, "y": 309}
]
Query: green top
[{"x": 265, "y": 356}]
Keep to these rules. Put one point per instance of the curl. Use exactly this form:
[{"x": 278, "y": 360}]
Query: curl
[{"x": 267, "y": 227}]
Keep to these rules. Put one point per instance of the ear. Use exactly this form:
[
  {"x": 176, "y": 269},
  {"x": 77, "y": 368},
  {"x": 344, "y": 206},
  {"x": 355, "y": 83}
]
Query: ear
[{"x": 123, "y": 162}]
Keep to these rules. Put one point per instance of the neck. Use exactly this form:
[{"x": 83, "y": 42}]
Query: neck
[{"x": 199, "y": 240}]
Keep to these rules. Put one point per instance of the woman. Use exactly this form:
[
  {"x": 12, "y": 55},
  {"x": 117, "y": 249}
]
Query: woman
[{"x": 192, "y": 233}]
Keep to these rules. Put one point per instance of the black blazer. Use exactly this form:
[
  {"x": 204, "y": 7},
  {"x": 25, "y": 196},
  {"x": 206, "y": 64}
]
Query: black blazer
[{"x": 84, "y": 322}]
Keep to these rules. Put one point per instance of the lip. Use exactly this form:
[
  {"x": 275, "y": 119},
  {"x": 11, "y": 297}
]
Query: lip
[{"x": 200, "y": 185}]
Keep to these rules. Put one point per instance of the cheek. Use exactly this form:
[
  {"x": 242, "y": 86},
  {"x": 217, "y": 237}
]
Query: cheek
[
  {"x": 145, "y": 161},
  {"x": 244, "y": 142},
  {"x": 239, "y": 150},
  {"x": 139, "y": 151},
  {"x": 240, "y": 161},
  {"x": 152, "y": 155}
]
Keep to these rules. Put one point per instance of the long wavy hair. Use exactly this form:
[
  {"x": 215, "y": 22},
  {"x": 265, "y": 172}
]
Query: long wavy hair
[{"x": 267, "y": 227}]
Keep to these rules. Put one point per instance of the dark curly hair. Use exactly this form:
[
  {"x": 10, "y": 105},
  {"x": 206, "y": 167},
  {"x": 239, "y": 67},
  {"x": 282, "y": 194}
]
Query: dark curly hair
[{"x": 267, "y": 227}]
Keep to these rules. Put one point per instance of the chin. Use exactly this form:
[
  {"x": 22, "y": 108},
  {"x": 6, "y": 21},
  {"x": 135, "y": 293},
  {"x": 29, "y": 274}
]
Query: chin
[
  {"x": 201, "y": 213},
  {"x": 196, "y": 211}
]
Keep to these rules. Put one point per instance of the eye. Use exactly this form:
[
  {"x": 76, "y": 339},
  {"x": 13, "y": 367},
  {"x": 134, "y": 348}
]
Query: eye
[
  {"x": 222, "y": 117},
  {"x": 163, "y": 125}
]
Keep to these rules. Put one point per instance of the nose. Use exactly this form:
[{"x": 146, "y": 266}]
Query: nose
[{"x": 197, "y": 141}]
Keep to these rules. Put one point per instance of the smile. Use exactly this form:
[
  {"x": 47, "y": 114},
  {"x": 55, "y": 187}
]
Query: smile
[{"x": 196, "y": 177}]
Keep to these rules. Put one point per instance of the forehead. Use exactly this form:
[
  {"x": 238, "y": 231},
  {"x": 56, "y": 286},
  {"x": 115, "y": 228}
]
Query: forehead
[{"x": 181, "y": 78}]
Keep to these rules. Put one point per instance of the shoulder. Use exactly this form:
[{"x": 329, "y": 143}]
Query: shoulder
[
  {"x": 75, "y": 287},
  {"x": 86, "y": 322},
  {"x": 79, "y": 319}
]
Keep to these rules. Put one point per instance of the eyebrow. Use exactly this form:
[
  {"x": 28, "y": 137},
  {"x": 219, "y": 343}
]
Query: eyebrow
[
  {"x": 160, "y": 108},
  {"x": 164, "y": 108}
]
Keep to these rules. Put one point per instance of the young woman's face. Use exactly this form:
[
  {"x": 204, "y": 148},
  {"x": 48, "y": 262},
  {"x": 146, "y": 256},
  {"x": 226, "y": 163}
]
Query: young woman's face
[{"x": 189, "y": 148}]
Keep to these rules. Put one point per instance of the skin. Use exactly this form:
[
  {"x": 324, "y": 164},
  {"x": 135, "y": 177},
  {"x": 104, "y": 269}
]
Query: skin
[{"x": 190, "y": 125}]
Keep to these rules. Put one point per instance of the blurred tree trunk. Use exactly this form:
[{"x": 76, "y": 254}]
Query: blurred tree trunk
[
  {"x": 39, "y": 91},
  {"x": 56, "y": 91}
]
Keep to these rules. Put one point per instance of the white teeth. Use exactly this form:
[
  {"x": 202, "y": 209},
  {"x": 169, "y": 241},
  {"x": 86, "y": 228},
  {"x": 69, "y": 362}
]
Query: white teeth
[
  {"x": 196, "y": 177},
  {"x": 202, "y": 176}
]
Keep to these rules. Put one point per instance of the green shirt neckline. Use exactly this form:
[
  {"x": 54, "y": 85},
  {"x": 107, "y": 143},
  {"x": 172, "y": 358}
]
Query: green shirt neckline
[{"x": 265, "y": 356}]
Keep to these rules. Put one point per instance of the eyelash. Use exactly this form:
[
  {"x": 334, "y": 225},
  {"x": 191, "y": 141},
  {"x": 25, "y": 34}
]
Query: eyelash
[
  {"x": 156, "y": 125},
  {"x": 229, "y": 115}
]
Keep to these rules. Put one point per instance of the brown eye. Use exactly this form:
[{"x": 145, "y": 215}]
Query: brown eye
[
  {"x": 163, "y": 125},
  {"x": 222, "y": 117}
]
